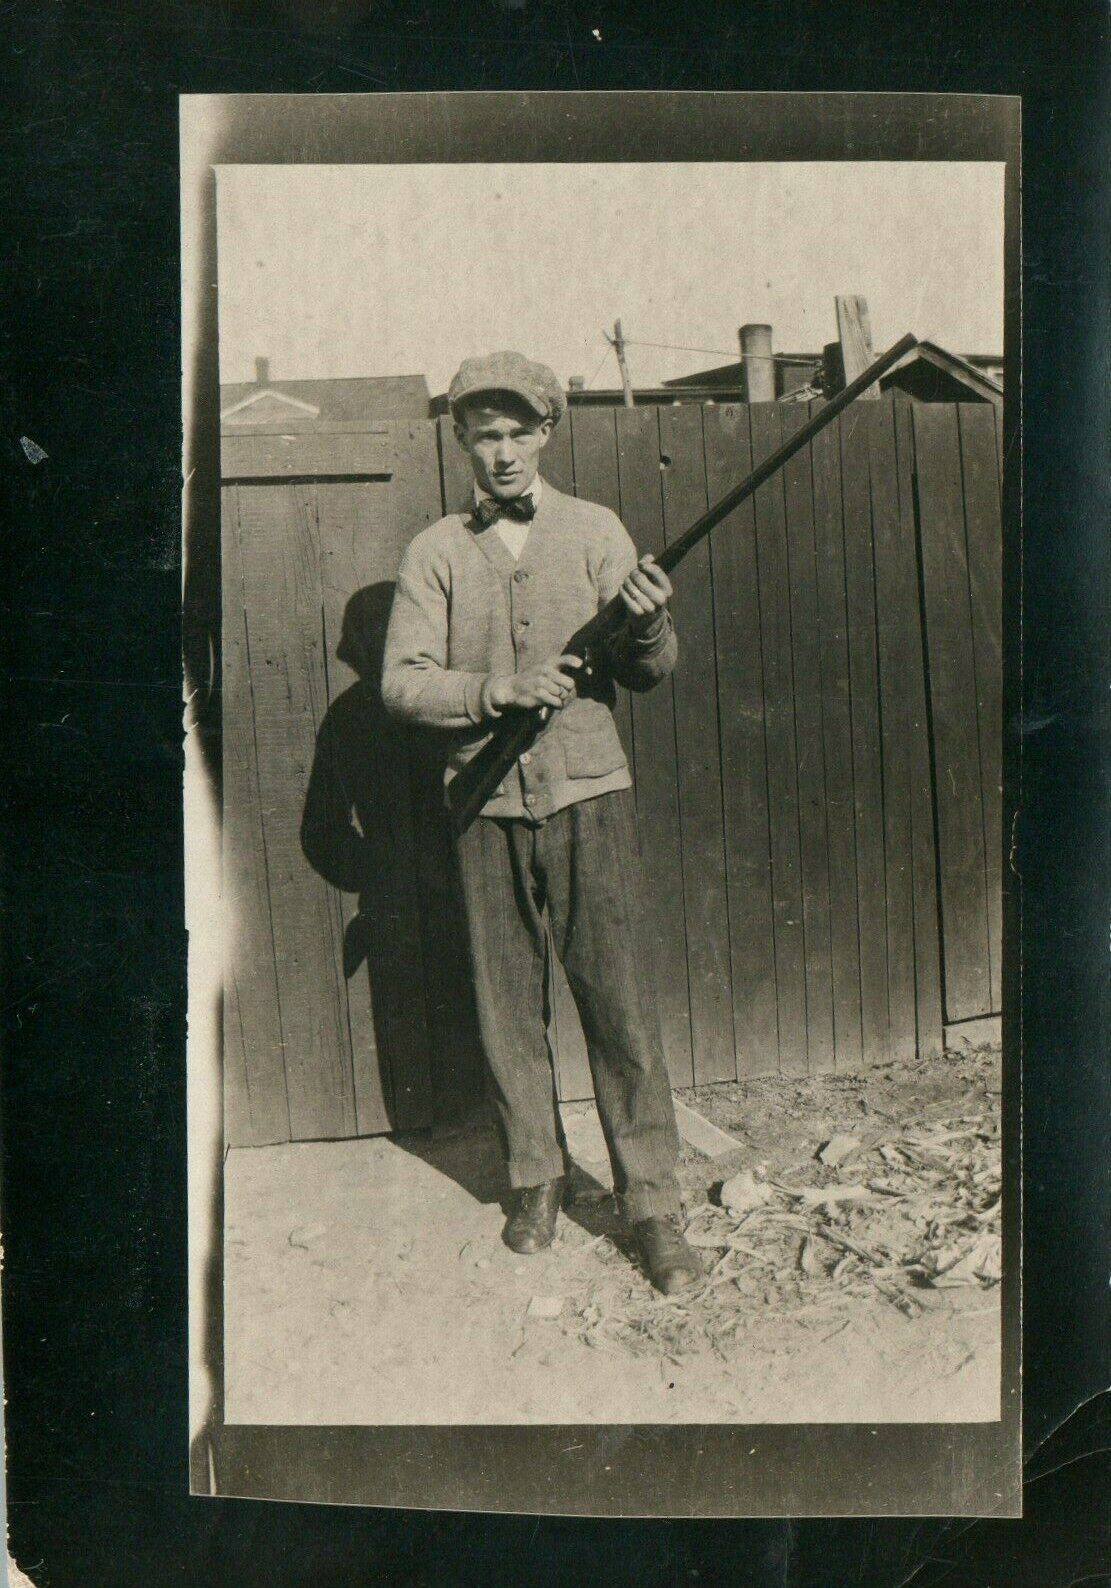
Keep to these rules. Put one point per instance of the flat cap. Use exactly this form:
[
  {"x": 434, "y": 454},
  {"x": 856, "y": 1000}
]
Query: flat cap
[{"x": 535, "y": 383}]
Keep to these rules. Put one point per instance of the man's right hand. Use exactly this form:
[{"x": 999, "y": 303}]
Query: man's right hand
[{"x": 550, "y": 684}]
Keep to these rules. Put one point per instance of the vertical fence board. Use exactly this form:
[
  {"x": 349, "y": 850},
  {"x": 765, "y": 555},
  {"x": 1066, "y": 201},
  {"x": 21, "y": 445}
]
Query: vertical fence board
[
  {"x": 952, "y": 675},
  {"x": 455, "y": 471},
  {"x": 351, "y": 783},
  {"x": 699, "y": 759},
  {"x": 256, "y": 1110},
  {"x": 829, "y": 548},
  {"x": 836, "y": 705},
  {"x": 654, "y": 756},
  {"x": 280, "y": 556},
  {"x": 798, "y": 492},
  {"x": 420, "y": 1070},
  {"x": 364, "y": 528},
  {"x": 895, "y": 661},
  {"x": 744, "y": 768},
  {"x": 927, "y": 936},
  {"x": 980, "y": 472},
  {"x": 447, "y": 1082},
  {"x": 867, "y": 753},
  {"x": 556, "y": 461},
  {"x": 594, "y": 449},
  {"x": 782, "y": 761}
]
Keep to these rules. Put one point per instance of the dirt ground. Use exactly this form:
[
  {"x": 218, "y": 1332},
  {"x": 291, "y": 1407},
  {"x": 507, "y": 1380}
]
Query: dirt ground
[{"x": 851, "y": 1271}]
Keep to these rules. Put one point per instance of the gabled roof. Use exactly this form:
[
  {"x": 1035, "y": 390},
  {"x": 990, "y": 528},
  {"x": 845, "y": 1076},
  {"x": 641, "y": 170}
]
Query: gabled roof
[
  {"x": 951, "y": 367},
  {"x": 266, "y": 403},
  {"x": 356, "y": 397},
  {"x": 732, "y": 376},
  {"x": 928, "y": 372}
]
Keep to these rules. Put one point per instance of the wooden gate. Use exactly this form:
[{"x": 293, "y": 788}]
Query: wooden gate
[{"x": 817, "y": 787}]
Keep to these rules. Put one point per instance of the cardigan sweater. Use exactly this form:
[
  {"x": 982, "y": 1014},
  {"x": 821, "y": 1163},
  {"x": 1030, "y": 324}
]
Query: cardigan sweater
[{"x": 465, "y": 610}]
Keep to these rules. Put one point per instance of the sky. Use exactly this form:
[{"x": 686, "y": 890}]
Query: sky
[{"x": 407, "y": 269}]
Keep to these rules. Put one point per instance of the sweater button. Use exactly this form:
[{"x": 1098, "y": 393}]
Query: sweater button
[
  {"x": 520, "y": 576},
  {"x": 520, "y": 625},
  {"x": 526, "y": 758}
]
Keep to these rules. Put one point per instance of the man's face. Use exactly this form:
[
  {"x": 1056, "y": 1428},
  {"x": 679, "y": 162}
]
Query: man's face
[{"x": 504, "y": 445}]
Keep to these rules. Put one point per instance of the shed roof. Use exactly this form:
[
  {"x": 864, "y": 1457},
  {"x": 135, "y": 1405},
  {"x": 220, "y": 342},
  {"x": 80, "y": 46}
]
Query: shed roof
[
  {"x": 732, "y": 376},
  {"x": 932, "y": 372},
  {"x": 362, "y": 397},
  {"x": 928, "y": 371}
]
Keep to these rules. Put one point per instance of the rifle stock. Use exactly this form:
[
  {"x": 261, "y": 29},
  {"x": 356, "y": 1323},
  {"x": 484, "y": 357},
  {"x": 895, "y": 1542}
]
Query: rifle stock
[{"x": 471, "y": 787}]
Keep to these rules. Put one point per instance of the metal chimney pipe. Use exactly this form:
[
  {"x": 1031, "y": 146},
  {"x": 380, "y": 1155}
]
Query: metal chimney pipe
[{"x": 758, "y": 363}]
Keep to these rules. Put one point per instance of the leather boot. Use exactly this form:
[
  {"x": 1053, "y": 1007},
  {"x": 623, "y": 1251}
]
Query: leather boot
[
  {"x": 532, "y": 1224},
  {"x": 671, "y": 1263}
]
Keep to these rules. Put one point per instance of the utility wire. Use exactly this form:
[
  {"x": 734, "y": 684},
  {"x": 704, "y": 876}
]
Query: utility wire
[
  {"x": 598, "y": 371},
  {"x": 674, "y": 347}
]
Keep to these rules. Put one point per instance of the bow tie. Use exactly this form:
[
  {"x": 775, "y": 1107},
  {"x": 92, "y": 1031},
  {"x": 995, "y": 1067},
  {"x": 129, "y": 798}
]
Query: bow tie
[{"x": 488, "y": 509}]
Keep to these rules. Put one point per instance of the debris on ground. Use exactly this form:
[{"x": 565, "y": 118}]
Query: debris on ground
[
  {"x": 545, "y": 1307},
  {"x": 410, "y": 1308},
  {"x": 744, "y": 1192},
  {"x": 706, "y": 1137},
  {"x": 897, "y": 1214},
  {"x": 837, "y": 1150}
]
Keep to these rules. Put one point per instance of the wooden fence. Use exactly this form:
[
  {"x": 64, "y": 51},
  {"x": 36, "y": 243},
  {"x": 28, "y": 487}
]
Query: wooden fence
[{"x": 818, "y": 786}]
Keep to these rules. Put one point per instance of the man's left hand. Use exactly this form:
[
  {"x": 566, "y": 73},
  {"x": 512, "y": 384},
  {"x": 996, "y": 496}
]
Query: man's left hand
[{"x": 645, "y": 592}]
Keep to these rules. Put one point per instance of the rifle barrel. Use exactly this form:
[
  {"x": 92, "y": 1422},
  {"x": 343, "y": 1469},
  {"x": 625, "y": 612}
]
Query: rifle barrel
[
  {"x": 673, "y": 554},
  {"x": 473, "y": 784}
]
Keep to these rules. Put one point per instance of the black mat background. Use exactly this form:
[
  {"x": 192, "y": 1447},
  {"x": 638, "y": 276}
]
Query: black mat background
[{"x": 93, "y": 1095}]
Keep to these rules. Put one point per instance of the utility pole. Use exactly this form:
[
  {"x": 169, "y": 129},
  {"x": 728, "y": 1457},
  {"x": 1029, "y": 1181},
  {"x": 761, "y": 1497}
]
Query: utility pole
[
  {"x": 854, "y": 330},
  {"x": 618, "y": 345}
]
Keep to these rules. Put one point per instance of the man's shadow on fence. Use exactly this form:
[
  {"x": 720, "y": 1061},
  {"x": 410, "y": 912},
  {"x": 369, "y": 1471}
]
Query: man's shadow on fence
[{"x": 374, "y": 826}]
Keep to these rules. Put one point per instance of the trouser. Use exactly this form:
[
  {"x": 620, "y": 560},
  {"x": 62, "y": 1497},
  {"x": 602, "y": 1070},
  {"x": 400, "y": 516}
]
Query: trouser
[{"x": 582, "y": 866}]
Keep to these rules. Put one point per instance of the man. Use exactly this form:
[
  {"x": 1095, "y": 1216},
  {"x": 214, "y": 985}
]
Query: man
[{"x": 485, "y": 601}]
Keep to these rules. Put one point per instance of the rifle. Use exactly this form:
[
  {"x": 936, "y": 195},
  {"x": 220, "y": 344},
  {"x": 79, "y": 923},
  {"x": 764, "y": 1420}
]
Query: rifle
[{"x": 518, "y": 727}]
